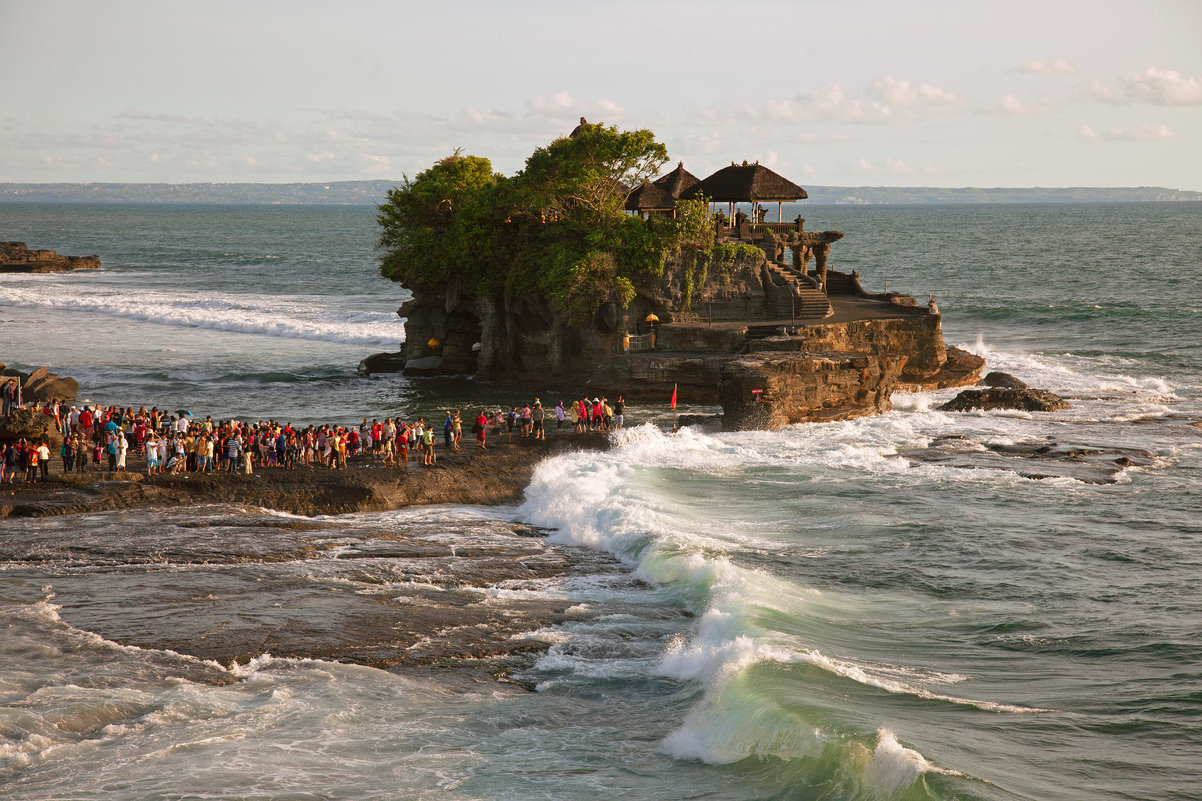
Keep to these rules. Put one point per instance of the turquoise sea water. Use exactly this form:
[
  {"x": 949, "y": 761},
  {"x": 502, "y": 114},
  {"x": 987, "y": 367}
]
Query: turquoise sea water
[{"x": 918, "y": 605}]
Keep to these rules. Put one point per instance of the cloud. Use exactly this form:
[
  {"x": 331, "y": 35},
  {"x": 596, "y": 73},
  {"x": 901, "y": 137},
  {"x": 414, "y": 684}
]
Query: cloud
[
  {"x": 1144, "y": 133},
  {"x": 1156, "y": 86},
  {"x": 1165, "y": 88},
  {"x": 1012, "y": 106},
  {"x": 144, "y": 116},
  {"x": 1055, "y": 66},
  {"x": 902, "y": 94},
  {"x": 891, "y": 166},
  {"x": 884, "y": 100},
  {"x": 1095, "y": 89}
]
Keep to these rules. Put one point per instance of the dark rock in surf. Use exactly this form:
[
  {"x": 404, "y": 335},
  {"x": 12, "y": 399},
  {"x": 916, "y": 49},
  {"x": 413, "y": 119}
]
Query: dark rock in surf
[
  {"x": 383, "y": 363},
  {"x": 1001, "y": 380},
  {"x": 1030, "y": 400}
]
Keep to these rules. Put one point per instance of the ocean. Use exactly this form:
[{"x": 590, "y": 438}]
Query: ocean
[{"x": 920, "y": 605}]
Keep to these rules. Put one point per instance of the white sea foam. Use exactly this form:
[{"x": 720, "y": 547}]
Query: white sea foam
[
  {"x": 1067, "y": 374},
  {"x": 607, "y": 501},
  {"x": 268, "y": 315},
  {"x": 894, "y": 767}
]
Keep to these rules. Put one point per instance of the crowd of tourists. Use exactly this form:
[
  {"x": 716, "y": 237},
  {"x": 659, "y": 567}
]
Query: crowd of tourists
[{"x": 100, "y": 438}]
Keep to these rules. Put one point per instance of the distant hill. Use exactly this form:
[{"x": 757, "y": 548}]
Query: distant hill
[
  {"x": 334, "y": 193},
  {"x": 370, "y": 193},
  {"x": 873, "y": 195}
]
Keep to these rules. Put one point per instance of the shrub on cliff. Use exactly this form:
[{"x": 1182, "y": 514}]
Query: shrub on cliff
[{"x": 556, "y": 229}]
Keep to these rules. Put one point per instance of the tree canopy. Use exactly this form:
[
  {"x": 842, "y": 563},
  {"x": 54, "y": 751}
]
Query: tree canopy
[{"x": 556, "y": 229}]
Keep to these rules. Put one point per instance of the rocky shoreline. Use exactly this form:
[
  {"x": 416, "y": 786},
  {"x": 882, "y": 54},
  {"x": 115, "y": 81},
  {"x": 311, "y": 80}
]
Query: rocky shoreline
[
  {"x": 435, "y": 609},
  {"x": 470, "y": 476}
]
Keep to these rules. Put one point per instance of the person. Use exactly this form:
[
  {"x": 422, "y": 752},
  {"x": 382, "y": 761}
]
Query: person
[
  {"x": 619, "y": 412},
  {"x": 536, "y": 420},
  {"x": 81, "y": 454},
  {"x": 582, "y": 415},
  {"x": 560, "y": 416},
  {"x": 403, "y": 432},
  {"x": 122, "y": 448},
  {"x": 447, "y": 425},
  {"x": 428, "y": 457},
  {"x": 481, "y": 429},
  {"x": 10, "y": 395},
  {"x": 67, "y": 451},
  {"x": 598, "y": 415},
  {"x": 233, "y": 452},
  {"x": 456, "y": 430},
  {"x": 388, "y": 452},
  {"x": 111, "y": 445},
  {"x": 527, "y": 420},
  {"x": 12, "y": 462},
  {"x": 30, "y": 458},
  {"x": 152, "y": 453},
  {"x": 44, "y": 459}
]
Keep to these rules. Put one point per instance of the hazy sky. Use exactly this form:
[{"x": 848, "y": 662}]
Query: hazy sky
[{"x": 847, "y": 92}]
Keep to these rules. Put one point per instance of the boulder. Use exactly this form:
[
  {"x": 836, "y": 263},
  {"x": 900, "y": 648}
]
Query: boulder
[
  {"x": 426, "y": 365},
  {"x": 1031, "y": 400},
  {"x": 50, "y": 387},
  {"x": 1003, "y": 381},
  {"x": 42, "y": 385},
  {"x": 29, "y": 424},
  {"x": 383, "y": 363}
]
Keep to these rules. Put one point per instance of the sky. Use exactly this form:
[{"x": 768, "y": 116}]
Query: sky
[{"x": 940, "y": 93}]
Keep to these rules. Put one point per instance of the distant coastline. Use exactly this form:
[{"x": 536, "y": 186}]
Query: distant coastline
[{"x": 371, "y": 193}]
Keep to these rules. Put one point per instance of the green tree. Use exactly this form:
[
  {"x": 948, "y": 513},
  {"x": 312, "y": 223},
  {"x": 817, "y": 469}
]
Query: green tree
[
  {"x": 556, "y": 229},
  {"x": 584, "y": 178}
]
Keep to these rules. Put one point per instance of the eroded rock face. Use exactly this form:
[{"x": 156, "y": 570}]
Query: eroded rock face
[
  {"x": 919, "y": 337},
  {"x": 15, "y": 257},
  {"x": 806, "y": 387},
  {"x": 502, "y": 337},
  {"x": 1031, "y": 400},
  {"x": 28, "y": 424}
]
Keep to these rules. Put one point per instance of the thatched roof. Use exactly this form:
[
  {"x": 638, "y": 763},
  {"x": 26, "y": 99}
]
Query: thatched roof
[
  {"x": 746, "y": 183},
  {"x": 649, "y": 197},
  {"x": 677, "y": 181}
]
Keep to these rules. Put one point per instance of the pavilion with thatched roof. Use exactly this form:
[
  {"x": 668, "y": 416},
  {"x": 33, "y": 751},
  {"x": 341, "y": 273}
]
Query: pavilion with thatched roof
[
  {"x": 648, "y": 198},
  {"x": 677, "y": 181},
  {"x": 747, "y": 183}
]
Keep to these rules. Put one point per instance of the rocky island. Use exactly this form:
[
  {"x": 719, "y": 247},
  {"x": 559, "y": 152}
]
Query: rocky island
[
  {"x": 15, "y": 257},
  {"x": 565, "y": 270}
]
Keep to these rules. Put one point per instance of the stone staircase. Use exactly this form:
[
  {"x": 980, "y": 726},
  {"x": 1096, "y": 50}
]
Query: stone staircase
[{"x": 794, "y": 295}]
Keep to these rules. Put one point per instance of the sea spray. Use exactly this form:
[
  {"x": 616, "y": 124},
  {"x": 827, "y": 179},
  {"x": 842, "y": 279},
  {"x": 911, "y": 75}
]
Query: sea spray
[
  {"x": 273, "y": 316},
  {"x": 599, "y": 501}
]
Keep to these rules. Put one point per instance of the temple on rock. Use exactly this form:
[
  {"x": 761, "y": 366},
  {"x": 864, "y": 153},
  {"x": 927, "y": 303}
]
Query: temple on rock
[{"x": 743, "y": 311}]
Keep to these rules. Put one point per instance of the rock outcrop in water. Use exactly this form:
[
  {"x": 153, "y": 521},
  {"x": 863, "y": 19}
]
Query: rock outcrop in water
[
  {"x": 540, "y": 275},
  {"x": 15, "y": 257},
  {"x": 1031, "y": 400},
  {"x": 1003, "y": 381}
]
